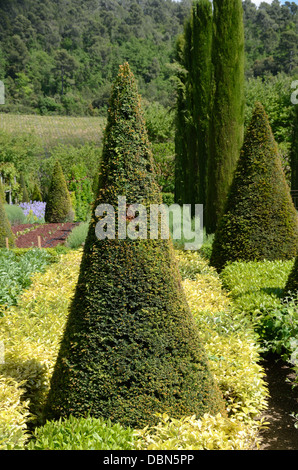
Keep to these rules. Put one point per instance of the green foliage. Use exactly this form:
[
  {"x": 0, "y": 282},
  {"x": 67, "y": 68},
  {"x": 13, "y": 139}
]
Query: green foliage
[
  {"x": 24, "y": 190},
  {"x": 32, "y": 333},
  {"x": 36, "y": 195},
  {"x": 13, "y": 415},
  {"x": 14, "y": 214},
  {"x": 122, "y": 355},
  {"x": 5, "y": 229},
  {"x": 193, "y": 104},
  {"x": 207, "y": 433},
  {"x": 80, "y": 185},
  {"x": 257, "y": 288},
  {"x": 81, "y": 434},
  {"x": 227, "y": 114},
  {"x": 292, "y": 282},
  {"x": 259, "y": 213},
  {"x": 294, "y": 151},
  {"x": 58, "y": 208},
  {"x": 16, "y": 272},
  {"x": 78, "y": 236}
]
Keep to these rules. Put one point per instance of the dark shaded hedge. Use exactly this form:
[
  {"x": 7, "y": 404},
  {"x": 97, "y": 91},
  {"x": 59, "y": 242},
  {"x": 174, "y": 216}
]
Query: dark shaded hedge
[
  {"x": 5, "y": 227},
  {"x": 260, "y": 220},
  {"x": 292, "y": 283},
  {"x": 130, "y": 348},
  {"x": 58, "y": 207}
]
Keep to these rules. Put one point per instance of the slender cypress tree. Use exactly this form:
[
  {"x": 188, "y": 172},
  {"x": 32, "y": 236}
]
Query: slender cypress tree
[
  {"x": 260, "y": 220},
  {"x": 25, "y": 195},
  {"x": 5, "y": 227},
  {"x": 193, "y": 103},
  {"x": 294, "y": 152},
  {"x": 130, "y": 348},
  {"x": 227, "y": 116}
]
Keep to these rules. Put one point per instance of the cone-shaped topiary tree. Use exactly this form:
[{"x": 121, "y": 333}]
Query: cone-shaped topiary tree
[
  {"x": 130, "y": 348},
  {"x": 58, "y": 207},
  {"x": 36, "y": 195},
  {"x": 24, "y": 191},
  {"x": 5, "y": 227},
  {"x": 260, "y": 220},
  {"x": 292, "y": 282}
]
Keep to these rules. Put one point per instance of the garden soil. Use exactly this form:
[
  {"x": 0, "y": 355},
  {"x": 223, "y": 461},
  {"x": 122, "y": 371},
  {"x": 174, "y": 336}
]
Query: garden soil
[{"x": 281, "y": 433}]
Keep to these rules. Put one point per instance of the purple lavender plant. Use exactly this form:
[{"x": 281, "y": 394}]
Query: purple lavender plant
[{"x": 34, "y": 211}]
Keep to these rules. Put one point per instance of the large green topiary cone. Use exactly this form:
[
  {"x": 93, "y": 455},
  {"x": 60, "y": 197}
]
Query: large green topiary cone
[
  {"x": 58, "y": 207},
  {"x": 130, "y": 348},
  {"x": 260, "y": 220},
  {"x": 5, "y": 227},
  {"x": 292, "y": 282}
]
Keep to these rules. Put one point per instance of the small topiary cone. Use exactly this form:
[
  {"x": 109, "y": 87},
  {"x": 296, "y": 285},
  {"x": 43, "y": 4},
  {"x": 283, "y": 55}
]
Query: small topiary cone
[{"x": 58, "y": 207}]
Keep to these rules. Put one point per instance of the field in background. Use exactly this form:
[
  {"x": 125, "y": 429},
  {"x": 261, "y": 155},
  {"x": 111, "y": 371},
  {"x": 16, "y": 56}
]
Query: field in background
[{"x": 53, "y": 130}]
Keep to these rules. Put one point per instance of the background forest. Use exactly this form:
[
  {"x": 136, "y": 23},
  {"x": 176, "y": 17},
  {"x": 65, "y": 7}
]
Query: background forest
[{"x": 59, "y": 56}]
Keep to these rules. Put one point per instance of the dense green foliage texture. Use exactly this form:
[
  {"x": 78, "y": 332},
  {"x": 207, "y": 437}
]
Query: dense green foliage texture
[
  {"x": 193, "y": 53},
  {"x": 292, "y": 282},
  {"x": 5, "y": 227},
  {"x": 260, "y": 220},
  {"x": 130, "y": 347},
  {"x": 227, "y": 115},
  {"x": 58, "y": 208}
]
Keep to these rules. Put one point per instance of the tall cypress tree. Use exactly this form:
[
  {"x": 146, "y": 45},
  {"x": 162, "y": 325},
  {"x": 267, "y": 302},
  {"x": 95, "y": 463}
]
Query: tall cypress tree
[
  {"x": 130, "y": 348},
  {"x": 193, "y": 102},
  {"x": 227, "y": 116},
  {"x": 294, "y": 152}
]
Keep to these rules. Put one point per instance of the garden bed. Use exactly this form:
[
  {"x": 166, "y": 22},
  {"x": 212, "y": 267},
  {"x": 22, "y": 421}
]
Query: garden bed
[{"x": 50, "y": 235}]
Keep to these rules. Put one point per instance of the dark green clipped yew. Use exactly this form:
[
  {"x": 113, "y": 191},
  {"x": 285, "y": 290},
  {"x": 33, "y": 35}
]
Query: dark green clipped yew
[
  {"x": 58, "y": 207},
  {"x": 260, "y": 220},
  {"x": 130, "y": 348},
  {"x": 292, "y": 282},
  {"x": 5, "y": 227}
]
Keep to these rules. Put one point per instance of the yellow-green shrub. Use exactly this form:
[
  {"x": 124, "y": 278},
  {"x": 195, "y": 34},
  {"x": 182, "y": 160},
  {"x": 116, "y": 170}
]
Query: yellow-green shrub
[
  {"x": 228, "y": 338},
  {"x": 31, "y": 331},
  {"x": 207, "y": 433},
  {"x": 13, "y": 415}
]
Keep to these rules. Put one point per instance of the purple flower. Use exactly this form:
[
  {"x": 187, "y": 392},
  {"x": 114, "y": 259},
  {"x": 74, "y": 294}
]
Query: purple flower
[{"x": 35, "y": 208}]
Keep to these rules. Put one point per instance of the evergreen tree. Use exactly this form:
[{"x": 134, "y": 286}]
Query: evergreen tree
[
  {"x": 292, "y": 282},
  {"x": 24, "y": 191},
  {"x": 2, "y": 193},
  {"x": 58, "y": 207},
  {"x": 294, "y": 152},
  {"x": 5, "y": 227},
  {"x": 227, "y": 116},
  {"x": 193, "y": 102},
  {"x": 260, "y": 220},
  {"x": 36, "y": 195},
  {"x": 130, "y": 348}
]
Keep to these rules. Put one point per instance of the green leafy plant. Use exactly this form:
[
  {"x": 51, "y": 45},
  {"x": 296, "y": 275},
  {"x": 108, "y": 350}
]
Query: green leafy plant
[{"x": 82, "y": 434}]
